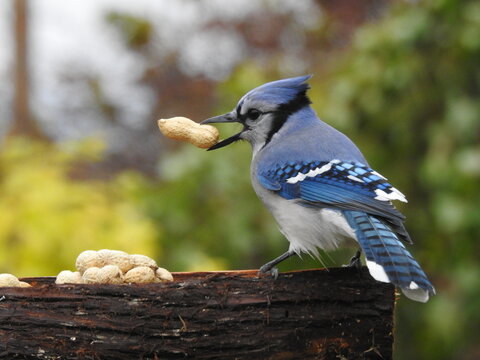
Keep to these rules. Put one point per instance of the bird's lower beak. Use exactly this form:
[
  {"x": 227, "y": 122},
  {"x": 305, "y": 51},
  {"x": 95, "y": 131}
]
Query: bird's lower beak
[{"x": 225, "y": 118}]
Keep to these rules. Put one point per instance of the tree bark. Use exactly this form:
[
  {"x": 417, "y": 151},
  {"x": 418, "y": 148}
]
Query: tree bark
[{"x": 339, "y": 313}]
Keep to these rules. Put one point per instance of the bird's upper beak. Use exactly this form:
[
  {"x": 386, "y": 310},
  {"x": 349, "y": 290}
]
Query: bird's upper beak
[{"x": 225, "y": 118}]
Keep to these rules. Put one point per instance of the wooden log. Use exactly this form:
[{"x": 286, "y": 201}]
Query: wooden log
[{"x": 339, "y": 313}]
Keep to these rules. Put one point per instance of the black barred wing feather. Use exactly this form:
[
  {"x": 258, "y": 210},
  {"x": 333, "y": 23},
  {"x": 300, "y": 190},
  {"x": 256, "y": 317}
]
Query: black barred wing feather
[{"x": 387, "y": 258}]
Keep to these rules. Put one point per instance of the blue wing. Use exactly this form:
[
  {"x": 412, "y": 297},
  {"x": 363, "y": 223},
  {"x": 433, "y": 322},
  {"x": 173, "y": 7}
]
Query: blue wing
[{"x": 339, "y": 185}]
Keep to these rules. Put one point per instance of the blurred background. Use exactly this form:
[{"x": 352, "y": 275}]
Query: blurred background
[{"x": 83, "y": 165}]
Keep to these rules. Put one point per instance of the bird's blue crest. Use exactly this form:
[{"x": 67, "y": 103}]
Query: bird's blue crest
[{"x": 280, "y": 91}]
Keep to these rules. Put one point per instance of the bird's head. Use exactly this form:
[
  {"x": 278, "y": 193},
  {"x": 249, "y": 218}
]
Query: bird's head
[{"x": 263, "y": 110}]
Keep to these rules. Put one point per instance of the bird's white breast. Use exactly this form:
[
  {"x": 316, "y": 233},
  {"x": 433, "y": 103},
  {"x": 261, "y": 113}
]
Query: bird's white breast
[{"x": 306, "y": 228}]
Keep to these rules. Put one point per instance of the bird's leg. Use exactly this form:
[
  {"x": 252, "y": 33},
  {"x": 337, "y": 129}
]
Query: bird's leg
[
  {"x": 355, "y": 260},
  {"x": 270, "y": 266}
]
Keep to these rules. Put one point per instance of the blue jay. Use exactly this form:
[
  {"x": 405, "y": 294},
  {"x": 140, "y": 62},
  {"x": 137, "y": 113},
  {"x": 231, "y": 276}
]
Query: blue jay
[{"x": 319, "y": 187}]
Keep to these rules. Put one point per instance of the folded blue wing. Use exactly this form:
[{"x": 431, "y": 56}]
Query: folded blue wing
[
  {"x": 336, "y": 184},
  {"x": 328, "y": 182}
]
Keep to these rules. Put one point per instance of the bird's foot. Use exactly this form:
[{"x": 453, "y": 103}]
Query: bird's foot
[
  {"x": 271, "y": 268},
  {"x": 355, "y": 261},
  {"x": 267, "y": 269}
]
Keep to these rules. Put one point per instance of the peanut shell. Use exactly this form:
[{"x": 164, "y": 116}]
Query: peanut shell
[
  {"x": 143, "y": 260},
  {"x": 184, "y": 129},
  {"x": 88, "y": 259},
  {"x": 69, "y": 277},
  {"x": 162, "y": 275},
  {"x": 9, "y": 280},
  {"x": 140, "y": 275},
  {"x": 115, "y": 257}
]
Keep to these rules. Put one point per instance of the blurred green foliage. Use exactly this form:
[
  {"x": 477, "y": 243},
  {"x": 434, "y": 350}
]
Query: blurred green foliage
[{"x": 48, "y": 218}]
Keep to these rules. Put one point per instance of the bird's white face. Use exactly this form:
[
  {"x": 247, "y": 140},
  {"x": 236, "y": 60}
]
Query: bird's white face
[{"x": 258, "y": 119}]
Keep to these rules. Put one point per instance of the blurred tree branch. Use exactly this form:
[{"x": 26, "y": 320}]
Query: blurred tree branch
[{"x": 23, "y": 122}]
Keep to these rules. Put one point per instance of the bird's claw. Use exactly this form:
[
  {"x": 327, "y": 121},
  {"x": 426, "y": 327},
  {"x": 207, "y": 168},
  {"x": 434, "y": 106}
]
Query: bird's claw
[
  {"x": 272, "y": 270},
  {"x": 355, "y": 261}
]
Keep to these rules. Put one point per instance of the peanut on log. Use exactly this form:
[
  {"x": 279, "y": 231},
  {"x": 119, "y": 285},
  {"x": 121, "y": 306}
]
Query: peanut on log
[
  {"x": 24, "y": 284},
  {"x": 109, "y": 274},
  {"x": 116, "y": 257},
  {"x": 143, "y": 260},
  {"x": 140, "y": 275},
  {"x": 88, "y": 259},
  {"x": 184, "y": 129},
  {"x": 162, "y": 275},
  {"x": 9, "y": 280},
  {"x": 69, "y": 277}
]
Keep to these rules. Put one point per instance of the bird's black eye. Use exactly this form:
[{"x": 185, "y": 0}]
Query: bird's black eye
[{"x": 253, "y": 114}]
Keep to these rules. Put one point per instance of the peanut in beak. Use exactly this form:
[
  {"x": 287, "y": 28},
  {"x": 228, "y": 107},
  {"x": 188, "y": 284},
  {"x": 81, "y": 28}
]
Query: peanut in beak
[{"x": 184, "y": 129}]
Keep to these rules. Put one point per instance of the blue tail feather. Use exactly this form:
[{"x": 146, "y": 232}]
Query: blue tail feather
[{"x": 387, "y": 258}]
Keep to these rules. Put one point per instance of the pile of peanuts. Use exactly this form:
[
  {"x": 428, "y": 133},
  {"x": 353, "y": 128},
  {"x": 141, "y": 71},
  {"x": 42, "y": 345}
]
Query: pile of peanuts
[
  {"x": 113, "y": 267},
  {"x": 104, "y": 267},
  {"x": 184, "y": 129}
]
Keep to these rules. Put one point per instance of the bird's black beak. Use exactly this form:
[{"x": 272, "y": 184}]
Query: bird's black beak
[{"x": 225, "y": 118}]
